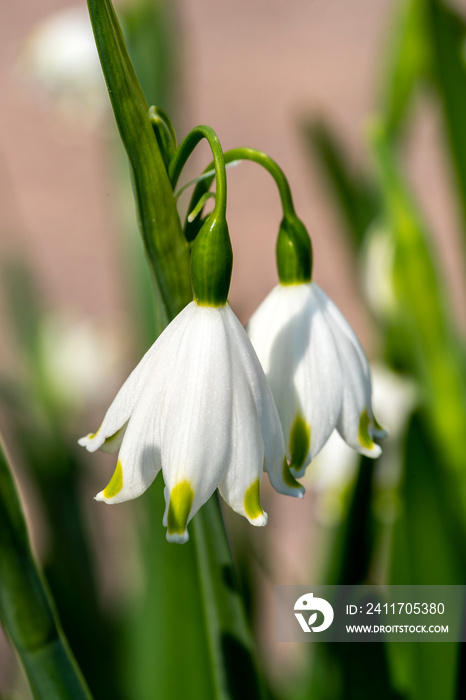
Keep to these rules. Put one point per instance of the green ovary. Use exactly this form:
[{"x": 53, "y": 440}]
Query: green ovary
[
  {"x": 300, "y": 441},
  {"x": 364, "y": 437},
  {"x": 116, "y": 482},
  {"x": 252, "y": 505},
  {"x": 179, "y": 508}
]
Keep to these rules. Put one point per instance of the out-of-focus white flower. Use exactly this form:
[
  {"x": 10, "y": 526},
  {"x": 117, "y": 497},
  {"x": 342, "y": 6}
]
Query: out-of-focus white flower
[
  {"x": 317, "y": 370},
  {"x": 78, "y": 359},
  {"x": 334, "y": 469},
  {"x": 197, "y": 407},
  {"x": 60, "y": 56},
  {"x": 378, "y": 257}
]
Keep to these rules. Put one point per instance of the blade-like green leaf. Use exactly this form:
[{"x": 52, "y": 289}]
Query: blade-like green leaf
[
  {"x": 447, "y": 32},
  {"x": 348, "y": 671},
  {"x": 165, "y": 244},
  {"x": 354, "y": 544},
  {"x": 429, "y": 547},
  {"x": 351, "y": 193},
  {"x": 424, "y": 317},
  {"x": 406, "y": 63},
  {"x": 26, "y": 610},
  {"x": 38, "y": 424},
  {"x": 148, "y": 27}
]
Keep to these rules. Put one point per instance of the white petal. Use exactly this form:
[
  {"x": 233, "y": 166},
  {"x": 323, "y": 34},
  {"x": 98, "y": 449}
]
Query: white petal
[
  {"x": 356, "y": 424},
  {"x": 240, "y": 485},
  {"x": 272, "y": 435},
  {"x": 196, "y": 419},
  {"x": 318, "y": 376},
  {"x": 139, "y": 460},
  {"x": 123, "y": 405},
  {"x": 297, "y": 351},
  {"x": 271, "y": 332}
]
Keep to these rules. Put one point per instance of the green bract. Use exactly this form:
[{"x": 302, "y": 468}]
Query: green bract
[
  {"x": 211, "y": 263},
  {"x": 294, "y": 252}
]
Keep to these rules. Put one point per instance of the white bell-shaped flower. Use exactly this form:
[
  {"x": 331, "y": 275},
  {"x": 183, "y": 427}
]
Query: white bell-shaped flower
[
  {"x": 197, "y": 407},
  {"x": 317, "y": 370}
]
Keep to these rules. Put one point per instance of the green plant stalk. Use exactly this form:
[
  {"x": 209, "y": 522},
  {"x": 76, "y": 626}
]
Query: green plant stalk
[
  {"x": 233, "y": 664},
  {"x": 26, "y": 610},
  {"x": 165, "y": 244}
]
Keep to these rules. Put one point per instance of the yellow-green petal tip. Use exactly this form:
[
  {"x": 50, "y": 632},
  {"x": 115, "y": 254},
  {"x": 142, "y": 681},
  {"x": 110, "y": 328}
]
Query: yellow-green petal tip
[
  {"x": 116, "y": 482},
  {"x": 364, "y": 437},
  {"x": 179, "y": 508},
  {"x": 252, "y": 504}
]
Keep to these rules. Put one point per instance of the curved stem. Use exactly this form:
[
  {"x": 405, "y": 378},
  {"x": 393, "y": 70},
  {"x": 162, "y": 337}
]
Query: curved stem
[
  {"x": 272, "y": 167},
  {"x": 238, "y": 155},
  {"x": 184, "y": 151}
]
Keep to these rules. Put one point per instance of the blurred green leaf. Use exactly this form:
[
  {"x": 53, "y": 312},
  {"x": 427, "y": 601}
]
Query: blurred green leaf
[
  {"x": 149, "y": 30},
  {"x": 39, "y": 425},
  {"x": 424, "y": 316},
  {"x": 349, "y": 671},
  {"x": 406, "y": 63},
  {"x": 428, "y": 548},
  {"x": 447, "y": 36},
  {"x": 354, "y": 543},
  {"x": 350, "y": 191},
  {"x": 26, "y": 610}
]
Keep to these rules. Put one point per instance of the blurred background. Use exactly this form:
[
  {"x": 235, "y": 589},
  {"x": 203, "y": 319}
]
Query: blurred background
[{"x": 363, "y": 106}]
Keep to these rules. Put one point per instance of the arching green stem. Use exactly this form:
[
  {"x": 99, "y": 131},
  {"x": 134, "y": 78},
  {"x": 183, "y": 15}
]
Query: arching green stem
[
  {"x": 273, "y": 168},
  {"x": 237, "y": 155},
  {"x": 294, "y": 248},
  {"x": 184, "y": 151}
]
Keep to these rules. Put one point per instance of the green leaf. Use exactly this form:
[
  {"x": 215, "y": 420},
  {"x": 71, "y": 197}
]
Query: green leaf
[
  {"x": 26, "y": 610},
  {"x": 406, "y": 63},
  {"x": 352, "y": 194},
  {"x": 349, "y": 671},
  {"x": 428, "y": 548},
  {"x": 148, "y": 27},
  {"x": 354, "y": 544},
  {"x": 424, "y": 318},
  {"x": 447, "y": 41},
  {"x": 165, "y": 244}
]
